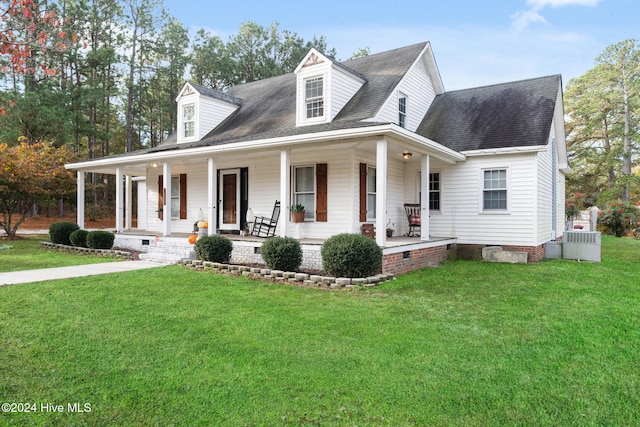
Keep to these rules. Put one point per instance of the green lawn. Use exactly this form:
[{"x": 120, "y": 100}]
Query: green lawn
[
  {"x": 26, "y": 254},
  {"x": 468, "y": 344}
]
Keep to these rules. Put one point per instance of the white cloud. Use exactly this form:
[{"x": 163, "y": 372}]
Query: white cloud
[
  {"x": 539, "y": 4},
  {"x": 522, "y": 19}
]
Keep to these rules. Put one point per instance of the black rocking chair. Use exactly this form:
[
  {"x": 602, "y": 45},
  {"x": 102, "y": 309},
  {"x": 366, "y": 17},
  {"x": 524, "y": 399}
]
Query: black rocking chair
[
  {"x": 413, "y": 216},
  {"x": 266, "y": 227}
]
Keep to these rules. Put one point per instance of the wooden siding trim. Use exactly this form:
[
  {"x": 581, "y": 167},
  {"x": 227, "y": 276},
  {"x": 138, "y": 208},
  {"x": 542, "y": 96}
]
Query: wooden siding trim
[
  {"x": 363, "y": 192},
  {"x": 183, "y": 196},
  {"x": 160, "y": 196},
  {"x": 321, "y": 192}
]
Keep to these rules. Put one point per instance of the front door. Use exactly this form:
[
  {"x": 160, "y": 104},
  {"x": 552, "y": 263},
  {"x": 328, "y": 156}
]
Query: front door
[{"x": 229, "y": 199}]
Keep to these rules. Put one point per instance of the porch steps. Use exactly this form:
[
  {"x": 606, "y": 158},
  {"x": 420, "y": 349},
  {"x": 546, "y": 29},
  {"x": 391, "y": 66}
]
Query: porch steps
[{"x": 169, "y": 251}]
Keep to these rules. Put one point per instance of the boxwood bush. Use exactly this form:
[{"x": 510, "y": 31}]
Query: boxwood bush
[
  {"x": 79, "y": 238},
  {"x": 214, "y": 248},
  {"x": 59, "y": 232},
  {"x": 351, "y": 255},
  {"x": 100, "y": 239},
  {"x": 282, "y": 253}
]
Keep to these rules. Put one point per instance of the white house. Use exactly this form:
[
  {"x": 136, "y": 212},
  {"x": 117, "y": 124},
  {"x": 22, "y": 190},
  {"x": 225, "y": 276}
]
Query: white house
[{"x": 354, "y": 142}]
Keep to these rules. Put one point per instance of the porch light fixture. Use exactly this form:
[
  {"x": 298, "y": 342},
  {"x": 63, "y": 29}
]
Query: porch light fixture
[
  {"x": 154, "y": 165},
  {"x": 407, "y": 155}
]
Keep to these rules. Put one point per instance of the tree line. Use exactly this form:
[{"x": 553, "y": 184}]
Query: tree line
[{"x": 103, "y": 75}]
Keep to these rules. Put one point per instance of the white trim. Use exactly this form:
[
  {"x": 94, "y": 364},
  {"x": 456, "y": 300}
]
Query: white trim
[
  {"x": 381, "y": 191},
  {"x": 395, "y": 132},
  {"x": 507, "y": 150},
  {"x": 315, "y": 188}
]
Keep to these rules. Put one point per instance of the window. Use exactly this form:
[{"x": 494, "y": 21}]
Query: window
[
  {"x": 402, "y": 109},
  {"x": 189, "y": 120},
  {"x": 371, "y": 192},
  {"x": 434, "y": 191},
  {"x": 494, "y": 194},
  {"x": 175, "y": 197},
  {"x": 304, "y": 189},
  {"x": 314, "y": 97}
]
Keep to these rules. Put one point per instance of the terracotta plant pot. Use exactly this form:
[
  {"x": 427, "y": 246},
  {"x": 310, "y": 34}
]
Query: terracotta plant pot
[{"x": 297, "y": 216}]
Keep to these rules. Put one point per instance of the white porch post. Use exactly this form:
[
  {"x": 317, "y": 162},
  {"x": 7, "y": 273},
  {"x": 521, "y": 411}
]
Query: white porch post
[
  {"x": 381, "y": 193},
  {"x": 119, "y": 200},
  {"x": 80, "y": 200},
  {"x": 424, "y": 200},
  {"x": 128, "y": 202},
  {"x": 166, "y": 200},
  {"x": 213, "y": 195},
  {"x": 285, "y": 191}
]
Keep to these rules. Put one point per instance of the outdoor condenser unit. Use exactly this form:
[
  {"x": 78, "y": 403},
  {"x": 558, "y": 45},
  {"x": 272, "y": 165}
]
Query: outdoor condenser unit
[{"x": 582, "y": 245}]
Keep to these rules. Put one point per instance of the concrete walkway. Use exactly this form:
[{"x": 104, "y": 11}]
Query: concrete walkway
[{"x": 30, "y": 276}]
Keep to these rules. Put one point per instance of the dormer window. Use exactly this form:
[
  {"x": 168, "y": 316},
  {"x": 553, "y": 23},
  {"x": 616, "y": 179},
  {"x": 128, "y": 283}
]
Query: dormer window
[
  {"x": 402, "y": 109},
  {"x": 189, "y": 120},
  {"x": 314, "y": 97}
]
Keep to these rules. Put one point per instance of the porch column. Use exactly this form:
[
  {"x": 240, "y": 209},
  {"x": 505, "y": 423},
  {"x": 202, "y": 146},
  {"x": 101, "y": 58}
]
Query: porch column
[
  {"x": 381, "y": 193},
  {"x": 128, "y": 202},
  {"x": 80, "y": 200},
  {"x": 285, "y": 191},
  {"x": 166, "y": 208},
  {"x": 424, "y": 200},
  {"x": 119, "y": 200},
  {"x": 212, "y": 203}
]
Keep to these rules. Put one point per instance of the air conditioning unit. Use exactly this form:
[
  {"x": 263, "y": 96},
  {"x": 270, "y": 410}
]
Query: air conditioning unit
[{"x": 582, "y": 245}]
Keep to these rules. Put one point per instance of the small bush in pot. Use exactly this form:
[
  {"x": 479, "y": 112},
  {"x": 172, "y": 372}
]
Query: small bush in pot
[
  {"x": 59, "y": 232},
  {"x": 214, "y": 248},
  {"x": 100, "y": 239},
  {"x": 282, "y": 253},
  {"x": 79, "y": 238},
  {"x": 351, "y": 255}
]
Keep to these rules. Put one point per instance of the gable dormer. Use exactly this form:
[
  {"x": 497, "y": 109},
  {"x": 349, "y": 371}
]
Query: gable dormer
[
  {"x": 323, "y": 87},
  {"x": 407, "y": 105},
  {"x": 200, "y": 110}
]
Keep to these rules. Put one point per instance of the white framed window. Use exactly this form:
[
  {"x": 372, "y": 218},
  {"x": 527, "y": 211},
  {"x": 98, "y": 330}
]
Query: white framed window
[
  {"x": 494, "y": 193},
  {"x": 434, "y": 190},
  {"x": 189, "y": 120},
  {"x": 402, "y": 109},
  {"x": 304, "y": 189},
  {"x": 314, "y": 97},
  {"x": 175, "y": 197},
  {"x": 371, "y": 192}
]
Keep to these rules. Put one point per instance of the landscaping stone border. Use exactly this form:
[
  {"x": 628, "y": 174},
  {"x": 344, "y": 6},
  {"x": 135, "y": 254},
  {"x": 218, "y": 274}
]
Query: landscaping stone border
[
  {"x": 106, "y": 253},
  {"x": 286, "y": 276}
]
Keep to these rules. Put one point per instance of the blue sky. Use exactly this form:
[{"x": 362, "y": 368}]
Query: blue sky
[{"x": 475, "y": 42}]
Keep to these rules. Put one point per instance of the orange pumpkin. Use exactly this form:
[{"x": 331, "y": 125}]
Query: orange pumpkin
[
  {"x": 205, "y": 225},
  {"x": 193, "y": 238}
]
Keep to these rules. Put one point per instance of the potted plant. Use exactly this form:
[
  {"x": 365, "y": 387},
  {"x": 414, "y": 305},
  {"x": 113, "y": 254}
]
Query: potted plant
[{"x": 297, "y": 213}]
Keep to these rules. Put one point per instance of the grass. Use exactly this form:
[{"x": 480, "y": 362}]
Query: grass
[
  {"x": 26, "y": 254},
  {"x": 469, "y": 343}
]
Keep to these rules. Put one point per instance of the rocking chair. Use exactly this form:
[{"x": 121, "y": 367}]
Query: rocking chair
[
  {"x": 266, "y": 227},
  {"x": 412, "y": 210}
]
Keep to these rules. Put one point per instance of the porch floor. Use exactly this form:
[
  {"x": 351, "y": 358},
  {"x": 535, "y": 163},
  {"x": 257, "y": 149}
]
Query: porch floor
[{"x": 392, "y": 242}]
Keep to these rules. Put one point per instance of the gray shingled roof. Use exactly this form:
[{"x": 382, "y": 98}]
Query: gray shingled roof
[
  {"x": 500, "y": 116},
  {"x": 268, "y": 106},
  {"x": 211, "y": 93}
]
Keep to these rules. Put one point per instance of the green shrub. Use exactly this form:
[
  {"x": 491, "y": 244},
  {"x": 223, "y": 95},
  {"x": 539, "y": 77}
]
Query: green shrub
[
  {"x": 619, "y": 218},
  {"x": 100, "y": 239},
  {"x": 214, "y": 248},
  {"x": 79, "y": 238},
  {"x": 351, "y": 255},
  {"x": 59, "y": 232},
  {"x": 282, "y": 253}
]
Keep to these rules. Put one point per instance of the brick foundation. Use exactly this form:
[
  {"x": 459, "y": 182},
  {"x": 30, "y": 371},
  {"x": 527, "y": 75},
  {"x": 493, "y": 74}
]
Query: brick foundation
[{"x": 412, "y": 260}]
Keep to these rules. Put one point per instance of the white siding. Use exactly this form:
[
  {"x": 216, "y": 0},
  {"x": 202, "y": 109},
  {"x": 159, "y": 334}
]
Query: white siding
[
  {"x": 545, "y": 196},
  {"x": 342, "y": 87},
  {"x": 461, "y": 202},
  {"x": 418, "y": 87},
  {"x": 211, "y": 113},
  {"x": 142, "y": 205}
]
